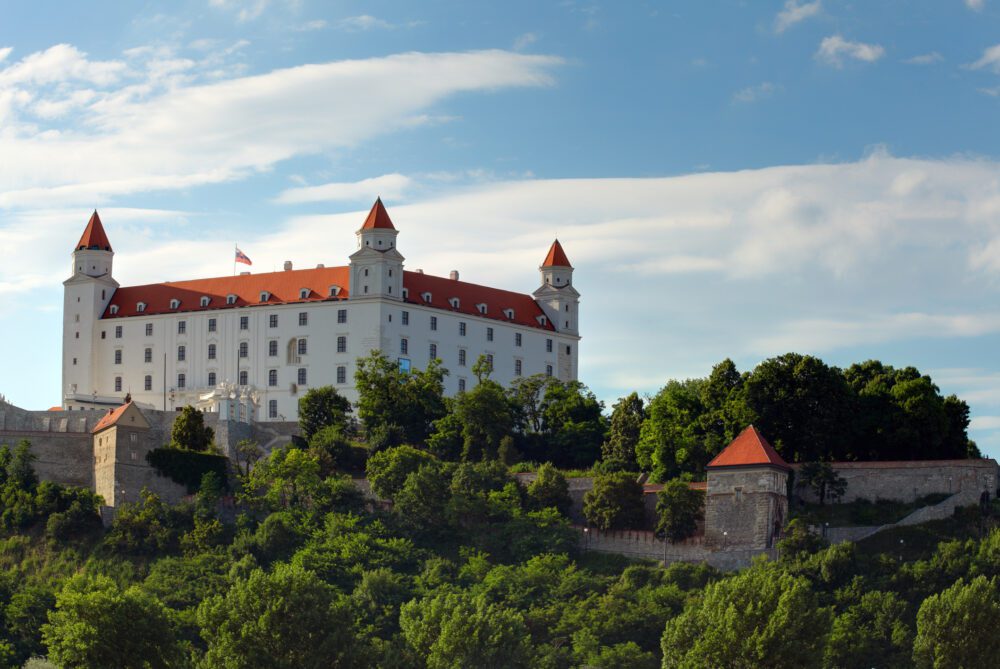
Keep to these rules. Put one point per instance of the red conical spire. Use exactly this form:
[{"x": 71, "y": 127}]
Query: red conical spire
[
  {"x": 378, "y": 217},
  {"x": 749, "y": 448},
  {"x": 94, "y": 236},
  {"x": 556, "y": 257}
]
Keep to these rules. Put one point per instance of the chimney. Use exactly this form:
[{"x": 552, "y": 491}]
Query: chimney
[
  {"x": 320, "y": 266},
  {"x": 288, "y": 265},
  {"x": 453, "y": 275},
  {"x": 244, "y": 273},
  {"x": 419, "y": 271}
]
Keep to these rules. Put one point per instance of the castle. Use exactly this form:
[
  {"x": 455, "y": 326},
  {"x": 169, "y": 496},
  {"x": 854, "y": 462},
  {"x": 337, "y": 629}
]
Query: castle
[{"x": 274, "y": 335}]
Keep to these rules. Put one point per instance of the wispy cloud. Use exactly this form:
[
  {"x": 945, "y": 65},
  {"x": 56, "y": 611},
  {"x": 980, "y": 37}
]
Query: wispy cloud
[
  {"x": 389, "y": 186},
  {"x": 990, "y": 60},
  {"x": 524, "y": 41},
  {"x": 363, "y": 22},
  {"x": 975, "y": 5},
  {"x": 834, "y": 49},
  {"x": 246, "y": 10},
  {"x": 925, "y": 59},
  {"x": 753, "y": 93},
  {"x": 793, "y": 13},
  {"x": 4, "y": 52}
]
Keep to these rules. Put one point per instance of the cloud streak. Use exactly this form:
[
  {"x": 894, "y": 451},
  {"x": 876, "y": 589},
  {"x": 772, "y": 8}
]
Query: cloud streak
[
  {"x": 834, "y": 49},
  {"x": 794, "y": 13}
]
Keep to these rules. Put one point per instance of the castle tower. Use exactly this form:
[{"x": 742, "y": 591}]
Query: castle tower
[
  {"x": 557, "y": 296},
  {"x": 377, "y": 267},
  {"x": 120, "y": 447},
  {"x": 85, "y": 296},
  {"x": 746, "y": 502}
]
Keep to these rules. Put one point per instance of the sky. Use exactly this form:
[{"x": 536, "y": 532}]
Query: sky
[{"x": 730, "y": 179}]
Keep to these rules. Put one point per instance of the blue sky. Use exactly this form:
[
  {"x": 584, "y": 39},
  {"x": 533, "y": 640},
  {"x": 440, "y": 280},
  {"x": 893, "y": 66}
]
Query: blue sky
[{"x": 730, "y": 178}]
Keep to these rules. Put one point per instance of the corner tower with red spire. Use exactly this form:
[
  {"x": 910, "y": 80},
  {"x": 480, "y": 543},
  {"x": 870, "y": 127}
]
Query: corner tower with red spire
[
  {"x": 377, "y": 267},
  {"x": 85, "y": 296},
  {"x": 560, "y": 301}
]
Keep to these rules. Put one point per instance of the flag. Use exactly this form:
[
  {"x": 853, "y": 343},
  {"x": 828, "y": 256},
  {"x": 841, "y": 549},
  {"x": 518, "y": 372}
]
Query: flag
[{"x": 242, "y": 257}]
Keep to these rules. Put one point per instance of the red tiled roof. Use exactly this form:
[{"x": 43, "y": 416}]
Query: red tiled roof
[
  {"x": 283, "y": 288},
  {"x": 526, "y": 310},
  {"x": 55, "y": 409},
  {"x": 94, "y": 236},
  {"x": 749, "y": 448},
  {"x": 556, "y": 257},
  {"x": 110, "y": 418},
  {"x": 378, "y": 217}
]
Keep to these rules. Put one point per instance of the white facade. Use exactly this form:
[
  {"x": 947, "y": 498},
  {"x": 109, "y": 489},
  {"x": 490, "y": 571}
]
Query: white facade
[{"x": 178, "y": 348}]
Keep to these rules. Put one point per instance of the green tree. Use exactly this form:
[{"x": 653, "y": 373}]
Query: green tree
[
  {"x": 288, "y": 479},
  {"x": 627, "y": 416},
  {"x": 148, "y": 526},
  {"x": 671, "y": 439},
  {"x": 678, "y": 510},
  {"x": 389, "y": 396},
  {"x": 331, "y": 447},
  {"x": 872, "y": 633},
  {"x": 26, "y": 613},
  {"x": 957, "y": 628},
  {"x": 285, "y": 619},
  {"x": 550, "y": 489},
  {"x": 20, "y": 471},
  {"x": 486, "y": 418},
  {"x": 573, "y": 425},
  {"x": 245, "y": 456},
  {"x": 456, "y": 631},
  {"x": 190, "y": 432},
  {"x": 422, "y": 502},
  {"x": 762, "y": 616},
  {"x": 322, "y": 407},
  {"x": 823, "y": 480},
  {"x": 614, "y": 502},
  {"x": 387, "y": 470},
  {"x": 97, "y": 624}
]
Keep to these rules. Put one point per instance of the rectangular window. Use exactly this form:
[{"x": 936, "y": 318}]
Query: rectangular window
[
  {"x": 303, "y": 346},
  {"x": 548, "y": 346},
  {"x": 568, "y": 349},
  {"x": 272, "y": 408},
  {"x": 303, "y": 318},
  {"x": 211, "y": 351},
  {"x": 118, "y": 332},
  {"x": 182, "y": 327},
  {"x": 461, "y": 357},
  {"x": 118, "y": 356},
  {"x": 341, "y": 374},
  {"x": 341, "y": 315},
  {"x": 211, "y": 379},
  {"x": 272, "y": 377},
  {"x": 341, "y": 344},
  {"x": 517, "y": 368},
  {"x": 149, "y": 329},
  {"x": 406, "y": 318},
  {"x": 211, "y": 324},
  {"x": 461, "y": 385},
  {"x": 548, "y": 370},
  {"x": 181, "y": 380},
  {"x": 517, "y": 339},
  {"x": 404, "y": 346},
  {"x": 489, "y": 334},
  {"x": 244, "y": 322},
  {"x": 434, "y": 322},
  {"x": 147, "y": 355},
  {"x": 272, "y": 321},
  {"x": 489, "y": 361},
  {"x": 272, "y": 348},
  {"x": 244, "y": 377},
  {"x": 244, "y": 349},
  {"x": 434, "y": 351},
  {"x": 118, "y": 384},
  {"x": 104, "y": 334},
  {"x": 461, "y": 329},
  {"x": 148, "y": 382},
  {"x": 181, "y": 353},
  {"x": 302, "y": 376}
]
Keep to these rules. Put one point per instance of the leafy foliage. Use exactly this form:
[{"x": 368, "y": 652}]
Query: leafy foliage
[
  {"x": 678, "y": 510},
  {"x": 187, "y": 467},
  {"x": 614, "y": 502},
  {"x": 320, "y": 408},
  {"x": 189, "y": 431}
]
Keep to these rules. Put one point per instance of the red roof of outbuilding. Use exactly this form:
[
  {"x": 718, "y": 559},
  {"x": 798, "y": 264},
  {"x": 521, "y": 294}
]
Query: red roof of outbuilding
[
  {"x": 110, "y": 418},
  {"x": 378, "y": 217},
  {"x": 556, "y": 257},
  {"x": 94, "y": 236},
  {"x": 749, "y": 448}
]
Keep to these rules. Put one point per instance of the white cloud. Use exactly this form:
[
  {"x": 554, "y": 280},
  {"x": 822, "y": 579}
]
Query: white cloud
[
  {"x": 522, "y": 42},
  {"x": 59, "y": 63},
  {"x": 4, "y": 52},
  {"x": 794, "y": 13},
  {"x": 388, "y": 186},
  {"x": 363, "y": 22},
  {"x": 177, "y": 131},
  {"x": 753, "y": 93},
  {"x": 246, "y": 10},
  {"x": 834, "y": 49},
  {"x": 975, "y": 5},
  {"x": 925, "y": 59},
  {"x": 317, "y": 24},
  {"x": 985, "y": 423},
  {"x": 990, "y": 60}
]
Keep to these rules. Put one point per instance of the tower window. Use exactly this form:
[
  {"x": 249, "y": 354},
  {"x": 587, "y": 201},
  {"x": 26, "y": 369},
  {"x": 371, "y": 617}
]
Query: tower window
[
  {"x": 489, "y": 334},
  {"x": 548, "y": 370},
  {"x": 489, "y": 361},
  {"x": 181, "y": 353},
  {"x": 118, "y": 356},
  {"x": 341, "y": 344},
  {"x": 181, "y": 380},
  {"x": 517, "y": 367},
  {"x": 461, "y": 357},
  {"x": 244, "y": 349},
  {"x": 434, "y": 322},
  {"x": 244, "y": 377},
  {"x": 211, "y": 379},
  {"x": 404, "y": 346},
  {"x": 302, "y": 376},
  {"x": 548, "y": 346},
  {"x": 303, "y": 344},
  {"x": 211, "y": 351},
  {"x": 461, "y": 329},
  {"x": 568, "y": 349},
  {"x": 272, "y": 348},
  {"x": 461, "y": 385},
  {"x": 147, "y": 355},
  {"x": 272, "y": 377},
  {"x": 341, "y": 374},
  {"x": 517, "y": 339},
  {"x": 118, "y": 332},
  {"x": 272, "y": 408},
  {"x": 433, "y": 351},
  {"x": 104, "y": 334},
  {"x": 406, "y": 318},
  {"x": 148, "y": 382},
  {"x": 118, "y": 384}
]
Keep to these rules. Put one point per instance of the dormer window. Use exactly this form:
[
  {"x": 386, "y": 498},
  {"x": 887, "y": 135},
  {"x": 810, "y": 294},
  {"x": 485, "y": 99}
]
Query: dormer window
[
  {"x": 205, "y": 300},
  {"x": 264, "y": 296},
  {"x": 509, "y": 313},
  {"x": 334, "y": 291},
  {"x": 174, "y": 303},
  {"x": 304, "y": 293},
  {"x": 230, "y": 299},
  {"x": 542, "y": 320},
  {"x": 481, "y": 307},
  {"x": 426, "y": 297},
  {"x": 114, "y": 309},
  {"x": 140, "y": 307},
  {"x": 453, "y": 301}
]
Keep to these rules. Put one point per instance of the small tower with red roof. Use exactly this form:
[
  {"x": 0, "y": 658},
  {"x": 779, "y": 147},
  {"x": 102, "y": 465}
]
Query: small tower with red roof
[
  {"x": 85, "y": 296},
  {"x": 746, "y": 502},
  {"x": 557, "y": 296},
  {"x": 377, "y": 266}
]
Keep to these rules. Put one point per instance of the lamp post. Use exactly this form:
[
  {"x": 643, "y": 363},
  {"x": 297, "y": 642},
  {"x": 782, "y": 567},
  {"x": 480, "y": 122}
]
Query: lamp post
[
  {"x": 725, "y": 540},
  {"x": 901, "y": 550},
  {"x": 586, "y": 538}
]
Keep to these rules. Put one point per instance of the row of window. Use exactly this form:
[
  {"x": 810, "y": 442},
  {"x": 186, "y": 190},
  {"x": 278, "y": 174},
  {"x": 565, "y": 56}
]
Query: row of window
[
  {"x": 244, "y": 323},
  {"x": 301, "y": 346},
  {"x": 302, "y": 378}
]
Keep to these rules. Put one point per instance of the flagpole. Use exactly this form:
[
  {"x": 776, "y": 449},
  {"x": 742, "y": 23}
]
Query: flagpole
[{"x": 235, "y": 248}]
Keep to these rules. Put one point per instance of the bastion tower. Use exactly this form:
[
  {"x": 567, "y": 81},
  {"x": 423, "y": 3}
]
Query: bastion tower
[{"x": 561, "y": 302}]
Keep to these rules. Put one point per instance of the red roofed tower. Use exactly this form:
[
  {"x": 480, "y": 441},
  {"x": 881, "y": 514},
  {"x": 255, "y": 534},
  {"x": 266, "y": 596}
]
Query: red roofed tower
[
  {"x": 560, "y": 301},
  {"x": 746, "y": 501},
  {"x": 377, "y": 266}
]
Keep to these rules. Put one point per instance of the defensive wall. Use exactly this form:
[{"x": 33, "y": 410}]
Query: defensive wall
[{"x": 638, "y": 544}]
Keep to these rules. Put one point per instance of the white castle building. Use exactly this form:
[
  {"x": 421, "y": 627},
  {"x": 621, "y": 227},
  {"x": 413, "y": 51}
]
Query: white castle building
[{"x": 264, "y": 339}]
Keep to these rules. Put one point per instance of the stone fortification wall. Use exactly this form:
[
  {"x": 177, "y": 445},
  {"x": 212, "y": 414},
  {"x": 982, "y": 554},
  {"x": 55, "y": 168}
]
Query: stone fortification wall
[
  {"x": 745, "y": 508},
  {"x": 909, "y": 481},
  {"x": 60, "y": 441},
  {"x": 644, "y": 545}
]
